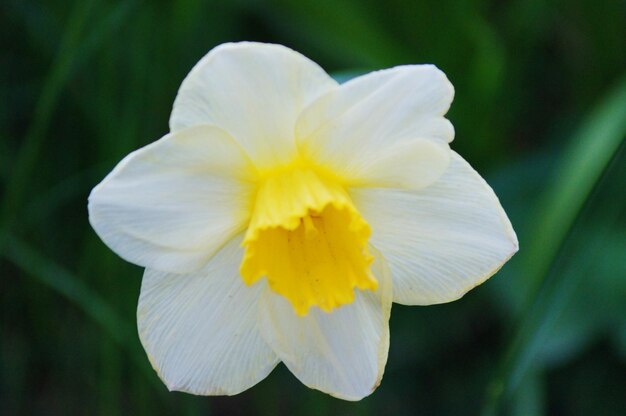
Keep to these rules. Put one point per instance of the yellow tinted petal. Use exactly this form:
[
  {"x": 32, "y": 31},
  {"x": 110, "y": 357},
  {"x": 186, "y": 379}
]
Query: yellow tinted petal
[
  {"x": 383, "y": 129},
  {"x": 255, "y": 92}
]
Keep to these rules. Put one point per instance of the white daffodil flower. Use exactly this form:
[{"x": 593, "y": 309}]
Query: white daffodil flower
[{"x": 284, "y": 213}]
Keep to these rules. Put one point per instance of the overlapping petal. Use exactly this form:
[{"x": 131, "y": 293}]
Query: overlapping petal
[
  {"x": 170, "y": 205},
  {"x": 200, "y": 329},
  {"x": 342, "y": 353},
  {"x": 442, "y": 240},
  {"x": 382, "y": 129},
  {"x": 246, "y": 119},
  {"x": 255, "y": 92}
]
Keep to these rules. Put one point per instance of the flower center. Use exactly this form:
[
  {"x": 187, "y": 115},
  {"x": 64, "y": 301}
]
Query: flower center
[{"x": 309, "y": 241}]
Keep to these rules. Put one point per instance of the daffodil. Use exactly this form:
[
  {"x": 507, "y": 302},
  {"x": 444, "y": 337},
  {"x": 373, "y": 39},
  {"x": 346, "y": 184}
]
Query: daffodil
[{"x": 284, "y": 213}]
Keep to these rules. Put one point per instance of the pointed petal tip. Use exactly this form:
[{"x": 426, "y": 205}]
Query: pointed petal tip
[
  {"x": 482, "y": 279},
  {"x": 457, "y": 229},
  {"x": 333, "y": 353},
  {"x": 199, "y": 330}
]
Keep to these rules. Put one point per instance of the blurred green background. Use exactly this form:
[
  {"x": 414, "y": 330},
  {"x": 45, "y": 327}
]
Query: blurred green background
[{"x": 540, "y": 111}]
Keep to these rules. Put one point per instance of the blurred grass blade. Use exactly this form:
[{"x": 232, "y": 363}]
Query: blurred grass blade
[
  {"x": 63, "y": 282},
  {"x": 46, "y": 271},
  {"x": 349, "y": 31},
  {"x": 45, "y": 205},
  {"x": 531, "y": 400},
  {"x": 26, "y": 161},
  {"x": 73, "y": 50},
  {"x": 590, "y": 152}
]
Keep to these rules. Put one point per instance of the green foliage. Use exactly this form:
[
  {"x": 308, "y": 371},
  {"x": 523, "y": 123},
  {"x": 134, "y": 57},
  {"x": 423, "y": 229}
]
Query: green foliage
[
  {"x": 553, "y": 222},
  {"x": 540, "y": 109}
]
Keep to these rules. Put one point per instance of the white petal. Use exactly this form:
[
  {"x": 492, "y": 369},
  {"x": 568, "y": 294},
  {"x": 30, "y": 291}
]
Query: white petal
[
  {"x": 411, "y": 164},
  {"x": 342, "y": 353},
  {"x": 170, "y": 205},
  {"x": 348, "y": 128},
  {"x": 440, "y": 241},
  {"x": 255, "y": 92},
  {"x": 200, "y": 329}
]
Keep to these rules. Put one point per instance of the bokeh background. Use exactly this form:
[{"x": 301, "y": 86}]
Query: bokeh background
[{"x": 540, "y": 111}]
